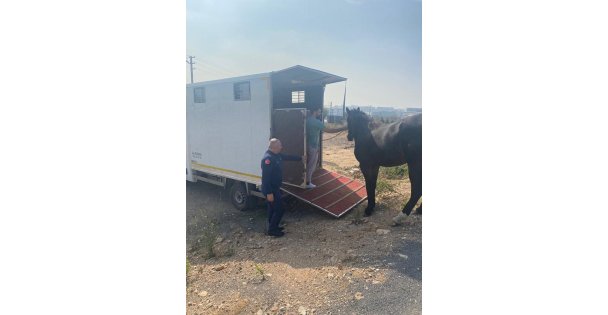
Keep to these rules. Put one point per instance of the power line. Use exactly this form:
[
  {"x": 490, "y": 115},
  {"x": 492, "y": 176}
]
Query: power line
[
  {"x": 218, "y": 67},
  {"x": 210, "y": 70}
]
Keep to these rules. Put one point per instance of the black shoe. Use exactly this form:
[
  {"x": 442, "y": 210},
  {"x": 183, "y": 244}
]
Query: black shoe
[
  {"x": 281, "y": 228},
  {"x": 276, "y": 233}
]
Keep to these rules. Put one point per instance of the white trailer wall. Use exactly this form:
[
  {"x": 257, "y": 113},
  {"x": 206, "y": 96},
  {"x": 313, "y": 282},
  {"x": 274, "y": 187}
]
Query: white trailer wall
[{"x": 228, "y": 137}]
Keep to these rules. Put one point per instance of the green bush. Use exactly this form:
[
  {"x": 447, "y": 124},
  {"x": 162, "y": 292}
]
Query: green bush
[
  {"x": 260, "y": 270},
  {"x": 204, "y": 243},
  {"x": 383, "y": 187},
  {"x": 395, "y": 172}
]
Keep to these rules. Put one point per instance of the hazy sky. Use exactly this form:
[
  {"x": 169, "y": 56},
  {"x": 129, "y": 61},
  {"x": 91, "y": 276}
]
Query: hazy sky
[{"x": 376, "y": 44}]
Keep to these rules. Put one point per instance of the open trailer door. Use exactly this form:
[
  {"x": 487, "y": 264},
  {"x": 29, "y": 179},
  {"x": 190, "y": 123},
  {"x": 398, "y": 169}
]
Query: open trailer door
[{"x": 289, "y": 126}]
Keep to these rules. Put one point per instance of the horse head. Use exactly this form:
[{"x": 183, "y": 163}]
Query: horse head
[{"x": 356, "y": 121}]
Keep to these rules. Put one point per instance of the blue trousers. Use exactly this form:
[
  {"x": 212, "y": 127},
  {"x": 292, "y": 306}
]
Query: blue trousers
[{"x": 275, "y": 212}]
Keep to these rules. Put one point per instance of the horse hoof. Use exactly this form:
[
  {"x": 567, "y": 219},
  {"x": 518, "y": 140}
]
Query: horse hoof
[
  {"x": 368, "y": 213},
  {"x": 400, "y": 218}
]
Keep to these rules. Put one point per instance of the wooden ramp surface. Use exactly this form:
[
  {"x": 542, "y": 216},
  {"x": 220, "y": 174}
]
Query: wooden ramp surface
[{"x": 335, "y": 194}]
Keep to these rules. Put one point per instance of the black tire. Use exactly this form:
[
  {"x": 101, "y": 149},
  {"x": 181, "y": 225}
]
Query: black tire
[{"x": 239, "y": 197}]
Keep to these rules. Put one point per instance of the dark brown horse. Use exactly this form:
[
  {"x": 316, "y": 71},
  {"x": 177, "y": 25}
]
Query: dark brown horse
[{"x": 393, "y": 144}]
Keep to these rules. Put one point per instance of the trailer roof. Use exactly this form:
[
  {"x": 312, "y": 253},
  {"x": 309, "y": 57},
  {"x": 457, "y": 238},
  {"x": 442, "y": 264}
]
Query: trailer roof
[
  {"x": 233, "y": 79},
  {"x": 294, "y": 75},
  {"x": 304, "y": 75}
]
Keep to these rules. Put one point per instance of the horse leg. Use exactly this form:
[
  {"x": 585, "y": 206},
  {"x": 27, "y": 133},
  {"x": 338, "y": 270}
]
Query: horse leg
[
  {"x": 415, "y": 170},
  {"x": 370, "y": 173}
]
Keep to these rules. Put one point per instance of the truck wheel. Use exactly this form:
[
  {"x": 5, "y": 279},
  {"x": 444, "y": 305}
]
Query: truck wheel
[{"x": 239, "y": 197}]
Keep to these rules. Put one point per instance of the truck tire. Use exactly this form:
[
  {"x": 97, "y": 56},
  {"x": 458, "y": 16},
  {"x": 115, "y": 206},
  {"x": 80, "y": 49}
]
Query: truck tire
[{"x": 239, "y": 197}]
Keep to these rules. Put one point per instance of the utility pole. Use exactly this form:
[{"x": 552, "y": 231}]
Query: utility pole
[
  {"x": 344, "y": 103},
  {"x": 191, "y": 69}
]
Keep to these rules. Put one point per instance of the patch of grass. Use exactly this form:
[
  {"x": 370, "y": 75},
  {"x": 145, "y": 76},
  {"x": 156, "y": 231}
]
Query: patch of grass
[
  {"x": 395, "y": 172},
  {"x": 188, "y": 267},
  {"x": 260, "y": 270},
  {"x": 348, "y": 171},
  {"x": 228, "y": 252},
  {"x": 205, "y": 241},
  {"x": 384, "y": 187}
]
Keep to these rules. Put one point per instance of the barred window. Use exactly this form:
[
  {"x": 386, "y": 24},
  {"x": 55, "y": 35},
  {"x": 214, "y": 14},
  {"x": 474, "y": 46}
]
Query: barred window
[
  {"x": 242, "y": 91},
  {"x": 297, "y": 97},
  {"x": 199, "y": 95}
]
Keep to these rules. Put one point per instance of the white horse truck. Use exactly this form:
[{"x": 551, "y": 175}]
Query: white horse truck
[{"x": 230, "y": 121}]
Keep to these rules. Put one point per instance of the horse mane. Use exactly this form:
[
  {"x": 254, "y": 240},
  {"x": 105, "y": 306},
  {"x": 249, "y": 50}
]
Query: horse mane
[
  {"x": 373, "y": 124},
  {"x": 366, "y": 118},
  {"x": 360, "y": 113}
]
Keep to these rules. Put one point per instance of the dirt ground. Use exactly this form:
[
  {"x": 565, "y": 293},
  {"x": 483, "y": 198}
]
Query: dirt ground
[{"x": 351, "y": 265}]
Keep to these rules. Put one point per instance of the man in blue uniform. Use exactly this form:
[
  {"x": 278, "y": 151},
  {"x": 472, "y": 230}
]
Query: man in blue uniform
[{"x": 272, "y": 178}]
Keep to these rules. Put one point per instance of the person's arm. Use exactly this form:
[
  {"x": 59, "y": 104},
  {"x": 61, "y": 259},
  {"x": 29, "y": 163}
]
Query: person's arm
[
  {"x": 335, "y": 130},
  {"x": 319, "y": 124},
  {"x": 266, "y": 176}
]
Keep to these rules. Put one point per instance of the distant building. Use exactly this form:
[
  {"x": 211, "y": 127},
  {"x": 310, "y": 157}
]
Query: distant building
[{"x": 334, "y": 114}]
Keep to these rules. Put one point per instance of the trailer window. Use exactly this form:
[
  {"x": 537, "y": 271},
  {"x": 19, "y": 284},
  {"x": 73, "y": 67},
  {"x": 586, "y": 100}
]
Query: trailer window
[
  {"x": 199, "y": 95},
  {"x": 241, "y": 91},
  {"x": 297, "y": 97}
]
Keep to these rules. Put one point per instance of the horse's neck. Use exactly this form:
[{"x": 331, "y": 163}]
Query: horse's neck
[{"x": 364, "y": 137}]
